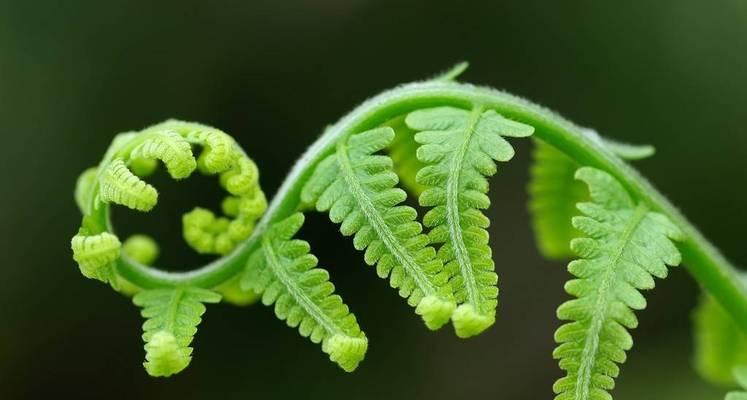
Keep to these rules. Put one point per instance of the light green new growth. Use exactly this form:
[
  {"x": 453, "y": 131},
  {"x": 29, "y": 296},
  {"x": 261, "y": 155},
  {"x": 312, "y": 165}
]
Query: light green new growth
[
  {"x": 740, "y": 376},
  {"x": 286, "y": 275},
  {"x": 720, "y": 345},
  {"x": 174, "y": 312},
  {"x": 172, "y": 319},
  {"x": 95, "y": 255},
  {"x": 357, "y": 188},
  {"x": 444, "y": 139},
  {"x": 625, "y": 246},
  {"x": 459, "y": 148},
  {"x": 141, "y": 248},
  {"x": 554, "y": 193},
  {"x": 120, "y": 186}
]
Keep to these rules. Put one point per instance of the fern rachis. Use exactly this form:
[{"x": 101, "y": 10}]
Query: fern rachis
[{"x": 456, "y": 136}]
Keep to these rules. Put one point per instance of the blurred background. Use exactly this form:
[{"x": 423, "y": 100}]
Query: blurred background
[{"x": 273, "y": 74}]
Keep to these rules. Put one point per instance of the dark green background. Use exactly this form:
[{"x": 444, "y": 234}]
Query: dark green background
[{"x": 271, "y": 73}]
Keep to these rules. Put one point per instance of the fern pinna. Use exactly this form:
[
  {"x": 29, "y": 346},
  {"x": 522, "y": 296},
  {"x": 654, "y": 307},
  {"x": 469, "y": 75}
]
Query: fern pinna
[{"x": 441, "y": 140}]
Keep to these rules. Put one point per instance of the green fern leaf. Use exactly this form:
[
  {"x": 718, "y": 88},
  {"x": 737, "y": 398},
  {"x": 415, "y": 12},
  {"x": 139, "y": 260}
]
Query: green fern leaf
[
  {"x": 460, "y": 149},
  {"x": 626, "y": 245},
  {"x": 172, "y": 318},
  {"x": 286, "y": 275},
  {"x": 554, "y": 193},
  {"x": 720, "y": 345},
  {"x": 119, "y": 185},
  {"x": 358, "y": 189}
]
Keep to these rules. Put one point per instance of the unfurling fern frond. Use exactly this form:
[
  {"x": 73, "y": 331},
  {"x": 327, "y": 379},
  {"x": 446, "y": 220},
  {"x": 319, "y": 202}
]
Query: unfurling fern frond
[
  {"x": 219, "y": 149},
  {"x": 169, "y": 147},
  {"x": 172, "y": 318},
  {"x": 460, "y": 149},
  {"x": 120, "y": 186},
  {"x": 286, "y": 275},
  {"x": 95, "y": 254},
  {"x": 626, "y": 245},
  {"x": 358, "y": 189},
  {"x": 554, "y": 193},
  {"x": 208, "y": 234},
  {"x": 720, "y": 345}
]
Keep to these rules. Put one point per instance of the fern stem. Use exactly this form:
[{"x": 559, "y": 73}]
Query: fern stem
[{"x": 705, "y": 263}]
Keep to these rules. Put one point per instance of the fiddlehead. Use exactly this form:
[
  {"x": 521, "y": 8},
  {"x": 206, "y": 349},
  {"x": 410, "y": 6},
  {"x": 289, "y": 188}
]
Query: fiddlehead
[
  {"x": 173, "y": 312},
  {"x": 444, "y": 139}
]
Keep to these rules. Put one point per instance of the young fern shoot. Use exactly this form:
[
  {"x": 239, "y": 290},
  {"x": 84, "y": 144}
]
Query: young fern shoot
[{"x": 444, "y": 140}]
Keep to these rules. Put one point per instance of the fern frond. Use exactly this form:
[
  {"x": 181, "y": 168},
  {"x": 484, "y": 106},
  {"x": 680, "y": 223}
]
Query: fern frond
[
  {"x": 554, "y": 193},
  {"x": 95, "y": 254},
  {"x": 208, "y": 234},
  {"x": 357, "y": 187},
  {"x": 286, "y": 275},
  {"x": 169, "y": 147},
  {"x": 460, "y": 148},
  {"x": 119, "y": 185},
  {"x": 626, "y": 245},
  {"x": 172, "y": 318},
  {"x": 219, "y": 149},
  {"x": 720, "y": 345}
]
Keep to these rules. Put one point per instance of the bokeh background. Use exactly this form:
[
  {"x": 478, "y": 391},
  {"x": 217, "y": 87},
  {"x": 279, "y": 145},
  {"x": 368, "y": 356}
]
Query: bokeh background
[{"x": 273, "y": 74}]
